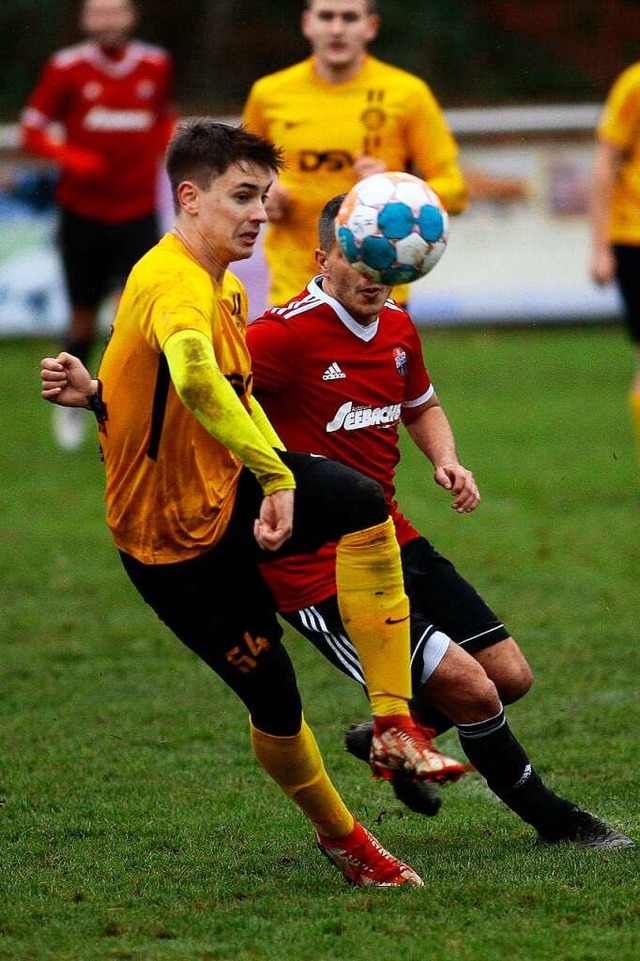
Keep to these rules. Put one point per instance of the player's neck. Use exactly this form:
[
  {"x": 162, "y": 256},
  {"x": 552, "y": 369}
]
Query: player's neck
[
  {"x": 114, "y": 52},
  {"x": 338, "y": 73},
  {"x": 201, "y": 253}
]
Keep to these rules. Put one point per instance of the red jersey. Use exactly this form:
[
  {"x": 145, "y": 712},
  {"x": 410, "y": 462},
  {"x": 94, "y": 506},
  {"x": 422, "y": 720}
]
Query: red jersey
[
  {"x": 115, "y": 110},
  {"x": 332, "y": 387}
]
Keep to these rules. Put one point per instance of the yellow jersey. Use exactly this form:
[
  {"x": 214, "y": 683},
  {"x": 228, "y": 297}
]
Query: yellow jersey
[
  {"x": 620, "y": 125},
  {"x": 383, "y": 112},
  {"x": 170, "y": 486}
]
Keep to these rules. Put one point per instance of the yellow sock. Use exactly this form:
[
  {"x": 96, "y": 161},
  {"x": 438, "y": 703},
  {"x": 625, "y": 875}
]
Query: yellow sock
[
  {"x": 375, "y": 611},
  {"x": 634, "y": 405},
  {"x": 295, "y": 764}
]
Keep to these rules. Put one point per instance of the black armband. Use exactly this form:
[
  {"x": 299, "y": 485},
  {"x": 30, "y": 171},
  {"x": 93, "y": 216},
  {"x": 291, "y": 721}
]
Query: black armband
[{"x": 97, "y": 405}]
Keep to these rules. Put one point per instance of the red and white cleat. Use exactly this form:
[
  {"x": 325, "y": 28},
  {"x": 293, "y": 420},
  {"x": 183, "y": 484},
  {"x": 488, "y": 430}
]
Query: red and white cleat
[
  {"x": 399, "y": 745},
  {"x": 365, "y": 863}
]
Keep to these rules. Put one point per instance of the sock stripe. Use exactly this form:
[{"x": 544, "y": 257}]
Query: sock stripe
[{"x": 483, "y": 728}]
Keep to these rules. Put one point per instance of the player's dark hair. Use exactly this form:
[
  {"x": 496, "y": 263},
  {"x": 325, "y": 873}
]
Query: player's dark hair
[
  {"x": 372, "y": 6},
  {"x": 202, "y": 149},
  {"x": 326, "y": 224}
]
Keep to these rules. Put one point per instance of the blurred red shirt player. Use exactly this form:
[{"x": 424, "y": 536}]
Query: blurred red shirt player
[{"x": 103, "y": 112}]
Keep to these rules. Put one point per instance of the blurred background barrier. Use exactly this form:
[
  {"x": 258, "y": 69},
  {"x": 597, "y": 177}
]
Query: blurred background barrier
[{"x": 518, "y": 255}]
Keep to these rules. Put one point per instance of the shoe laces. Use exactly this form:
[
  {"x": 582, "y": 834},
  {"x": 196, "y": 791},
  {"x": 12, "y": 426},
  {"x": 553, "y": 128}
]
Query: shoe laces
[{"x": 375, "y": 861}]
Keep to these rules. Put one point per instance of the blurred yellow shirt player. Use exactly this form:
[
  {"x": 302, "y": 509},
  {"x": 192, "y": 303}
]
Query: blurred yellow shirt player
[
  {"x": 615, "y": 211},
  {"x": 620, "y": 127},
  {"x": 341, "y": 115}
]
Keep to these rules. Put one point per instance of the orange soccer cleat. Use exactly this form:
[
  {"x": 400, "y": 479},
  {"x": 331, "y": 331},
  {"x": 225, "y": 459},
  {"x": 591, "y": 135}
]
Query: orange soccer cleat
[
  {"x": 365, "y": 863},
  {"x": 400, "y": 746}
]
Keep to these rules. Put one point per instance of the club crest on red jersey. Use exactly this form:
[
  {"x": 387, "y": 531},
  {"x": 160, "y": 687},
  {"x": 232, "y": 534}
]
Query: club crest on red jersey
[
  {"x": 400, "y": 357},
  {"x": 92, "y": 90}
]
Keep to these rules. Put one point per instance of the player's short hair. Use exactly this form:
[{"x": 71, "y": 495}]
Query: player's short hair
[
  {"x": 326, "y": 224},
  {"x": 202, "y": 149},
  {"x": 373, "y": 6}
]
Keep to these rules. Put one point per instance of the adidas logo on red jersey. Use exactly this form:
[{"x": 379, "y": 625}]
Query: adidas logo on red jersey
[{"x": 334, "y": 372}]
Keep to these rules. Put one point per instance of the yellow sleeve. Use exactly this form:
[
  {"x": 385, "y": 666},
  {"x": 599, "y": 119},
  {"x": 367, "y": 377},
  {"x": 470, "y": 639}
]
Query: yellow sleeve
[
  {"x": 205, "y": 391},
  {"x": 252, "y": 114},
  {"x": 432, "y": 147},
  {"x": 449, "y": 183},
  {"x": 264, "y": 425},
  {"x": 621, "y": 114}
]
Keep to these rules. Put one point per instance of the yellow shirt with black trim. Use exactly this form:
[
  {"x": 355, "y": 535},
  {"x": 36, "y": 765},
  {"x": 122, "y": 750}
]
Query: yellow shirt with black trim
[
  {"x": 170, "y": 484},
  {"x": 383, "y": 112},
  {"x": 620, "y": 125}
]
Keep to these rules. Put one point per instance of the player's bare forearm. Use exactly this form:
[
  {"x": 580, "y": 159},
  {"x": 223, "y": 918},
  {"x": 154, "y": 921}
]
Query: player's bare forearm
[
  {"x": 606, "y": 166},
  {"x": 431, "y": 432}
]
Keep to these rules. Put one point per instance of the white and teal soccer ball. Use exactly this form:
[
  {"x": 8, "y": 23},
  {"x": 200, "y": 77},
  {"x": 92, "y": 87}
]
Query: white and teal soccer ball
[{"x": 392, "y": 227}]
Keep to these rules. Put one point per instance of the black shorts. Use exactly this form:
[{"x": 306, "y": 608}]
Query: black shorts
[
  {"x": 220, "y": 607},
  {"x": 97, "y": 257},
  {"x": 441, "y": 595},
  {"x": 322, "y": 625},
  {"x": 628, "y": 280},
  {"x": 443, "y": 605}
]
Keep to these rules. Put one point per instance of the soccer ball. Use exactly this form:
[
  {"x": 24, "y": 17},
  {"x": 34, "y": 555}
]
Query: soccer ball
[{"x": 392, "y": 228}]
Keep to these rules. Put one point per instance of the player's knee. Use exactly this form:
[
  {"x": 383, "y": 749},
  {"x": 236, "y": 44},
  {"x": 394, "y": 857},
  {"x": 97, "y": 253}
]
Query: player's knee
[
  {"x": 516, "y": 683},
  {"x": 486, "y": 697},
  {"x": 280, "y": 719},
  {"x": 367, "y": 506},
  {"x": 508, "y": 668}
]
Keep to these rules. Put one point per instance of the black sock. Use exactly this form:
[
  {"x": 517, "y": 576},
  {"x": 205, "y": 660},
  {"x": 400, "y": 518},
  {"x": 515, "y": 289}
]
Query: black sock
[
  {"x": 503, "y": 762},
  {"x": 430, "y": 716}
]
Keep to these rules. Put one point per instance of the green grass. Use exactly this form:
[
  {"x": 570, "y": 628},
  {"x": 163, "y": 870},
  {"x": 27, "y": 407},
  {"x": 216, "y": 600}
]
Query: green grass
[{"x": 136, "y": 824}]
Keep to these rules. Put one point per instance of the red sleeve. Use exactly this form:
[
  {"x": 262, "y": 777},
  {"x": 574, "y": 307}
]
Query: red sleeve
[
  {"x": 46, "y": 105},
  {"x": 48, "y": 101},
  {"x": 274, "y": 350},
  {"x": 418, "y": 380},
  {"x": 168, "y": 117}
]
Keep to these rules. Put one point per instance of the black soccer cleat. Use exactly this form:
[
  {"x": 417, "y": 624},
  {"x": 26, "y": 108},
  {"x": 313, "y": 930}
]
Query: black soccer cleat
[
  {"x": 422, "y": 797},
  {"x": 358, "y": 739},
  {"x": 588, "y": 831}
]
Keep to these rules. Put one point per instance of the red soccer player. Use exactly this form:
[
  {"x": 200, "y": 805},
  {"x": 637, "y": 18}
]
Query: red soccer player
[
  {"x": 111, "y": 96},
  {"x": 337, "y": 370}
]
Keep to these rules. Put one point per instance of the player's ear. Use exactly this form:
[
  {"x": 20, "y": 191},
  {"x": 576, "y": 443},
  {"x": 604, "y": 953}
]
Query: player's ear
[
  {"x": 134, "y": 16},
  {"x": 188, "y": 195},
  {"x": 374, "y": 27},
  {"x": 304, "y": 24},
  {"x": 321, "y": 260}
]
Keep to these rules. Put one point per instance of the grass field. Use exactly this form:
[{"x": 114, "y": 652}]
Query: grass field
[{"x": 135, "y": 823}]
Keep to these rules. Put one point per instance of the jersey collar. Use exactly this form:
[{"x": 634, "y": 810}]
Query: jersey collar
[
  {"x": 363, "y": 333},
  {"x": 121, "y": 67}
]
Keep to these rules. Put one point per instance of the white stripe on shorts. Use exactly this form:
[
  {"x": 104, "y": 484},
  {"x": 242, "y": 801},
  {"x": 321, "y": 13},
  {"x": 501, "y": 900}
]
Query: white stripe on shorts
[{"x": 340, "y": 644}]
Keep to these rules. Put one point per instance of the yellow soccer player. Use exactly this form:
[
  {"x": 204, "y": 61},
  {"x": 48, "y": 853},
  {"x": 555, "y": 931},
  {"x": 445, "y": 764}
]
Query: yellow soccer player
[
  {"x": 341, "y": 115},
  {"x": 199, "y": 491},
  {"x": 615, "y": 209}
]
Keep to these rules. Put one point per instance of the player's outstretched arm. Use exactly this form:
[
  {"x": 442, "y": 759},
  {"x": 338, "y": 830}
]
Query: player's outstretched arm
[
  {"x": 605, "y": 170},
  {"x": 205, "y": 391},
  {"x": 66, "y": 381},
  {"x": 431, "y": 432}
]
